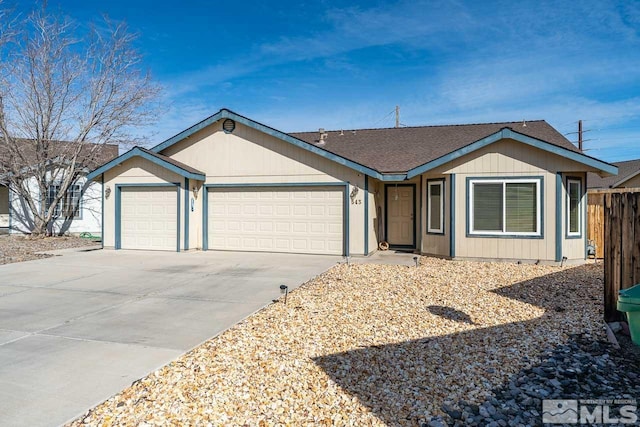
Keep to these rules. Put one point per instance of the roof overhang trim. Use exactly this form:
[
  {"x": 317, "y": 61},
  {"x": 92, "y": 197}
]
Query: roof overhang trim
[
  {"x": 137, "y": 152},
  {"x": 625, "y": 179},
  {"x": 227, "y": 114},
  {"x": 507, "y": 133}
]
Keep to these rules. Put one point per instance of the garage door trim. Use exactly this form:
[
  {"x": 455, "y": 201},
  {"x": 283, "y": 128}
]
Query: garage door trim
[
  {"x": 345, "y": 204},
  {"x": 118, "y": 202}
]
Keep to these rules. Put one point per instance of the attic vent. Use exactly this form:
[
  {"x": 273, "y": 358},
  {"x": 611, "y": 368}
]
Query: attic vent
[{"x": 228, "y": 125}]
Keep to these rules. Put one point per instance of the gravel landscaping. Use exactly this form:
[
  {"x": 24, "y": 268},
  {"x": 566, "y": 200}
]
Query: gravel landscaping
[
  {"x": 381, "y": 345},
  {"x": 24, "y": 248},
  {"x": 580, "y": 369}
]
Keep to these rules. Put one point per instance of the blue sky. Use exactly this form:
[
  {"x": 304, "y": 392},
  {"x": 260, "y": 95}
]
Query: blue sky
[{"x": 298, "y": 65}]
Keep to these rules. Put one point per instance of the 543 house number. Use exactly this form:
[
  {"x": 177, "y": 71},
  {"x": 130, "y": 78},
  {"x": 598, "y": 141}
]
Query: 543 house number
[{"x": 356, "y": 202}]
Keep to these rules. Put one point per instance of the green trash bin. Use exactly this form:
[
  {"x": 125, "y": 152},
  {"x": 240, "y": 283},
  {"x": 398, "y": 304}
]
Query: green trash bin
[{"x": 629, "y": 302}]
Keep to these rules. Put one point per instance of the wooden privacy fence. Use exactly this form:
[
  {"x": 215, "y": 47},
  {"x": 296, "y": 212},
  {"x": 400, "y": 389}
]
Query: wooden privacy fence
[
  {"x": 621, "y": 247},
  {"x": 595, "y": 215},
  {"x": 595, "y": 221}
]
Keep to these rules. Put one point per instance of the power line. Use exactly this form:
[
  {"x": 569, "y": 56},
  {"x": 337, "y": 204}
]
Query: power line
[
  {"x": 617, "y": 137},
  {"x": 617, "y": 128},
  {"x": 384, "y": 118}
]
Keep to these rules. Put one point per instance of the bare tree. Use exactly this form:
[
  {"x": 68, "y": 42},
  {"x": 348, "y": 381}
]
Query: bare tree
[{"x": 65, "y": 91}]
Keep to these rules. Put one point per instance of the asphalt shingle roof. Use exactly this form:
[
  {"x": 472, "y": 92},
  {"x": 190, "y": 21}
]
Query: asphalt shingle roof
[
  {"x": 397, "y": 150},
  {"x": 626, "y": 169}
]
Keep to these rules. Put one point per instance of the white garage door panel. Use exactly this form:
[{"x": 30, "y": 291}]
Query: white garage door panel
[
  {"x": 148, "y": 218},
  {"x": 301, "y": 220}
]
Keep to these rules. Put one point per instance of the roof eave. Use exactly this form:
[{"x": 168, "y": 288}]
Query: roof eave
[
  {"x": 506, "y": 133},
  {"x": 625, "y": 179},
  {"x": 140, "y": 153},
  {"x": 228, "y": 114}
]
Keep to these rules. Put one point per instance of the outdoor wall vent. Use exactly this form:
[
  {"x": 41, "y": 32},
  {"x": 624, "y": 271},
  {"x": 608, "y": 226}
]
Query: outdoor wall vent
[{"x": 228, "y": 125}]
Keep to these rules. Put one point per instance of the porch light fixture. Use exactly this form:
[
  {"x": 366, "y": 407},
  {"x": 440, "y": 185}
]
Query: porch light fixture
[
  {"x": 354, "y": 192},
  {"x": 195, "y": 192},
  {"x": 284, "y": 289},
  {"x": 107, "y": 192}
]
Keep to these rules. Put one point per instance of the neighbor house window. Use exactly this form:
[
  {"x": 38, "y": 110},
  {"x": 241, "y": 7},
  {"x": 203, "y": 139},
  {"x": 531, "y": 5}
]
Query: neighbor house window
[
  {"x": 69, "y": 205},
  {"x": 435, "y": 208},
  {"x": 505, "y": 207},
  {"x": 574, "y": 192}
]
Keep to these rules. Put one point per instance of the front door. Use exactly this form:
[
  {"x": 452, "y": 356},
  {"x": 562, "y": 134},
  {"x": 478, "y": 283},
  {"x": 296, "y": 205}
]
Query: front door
[{"x": 400, "y": 214}]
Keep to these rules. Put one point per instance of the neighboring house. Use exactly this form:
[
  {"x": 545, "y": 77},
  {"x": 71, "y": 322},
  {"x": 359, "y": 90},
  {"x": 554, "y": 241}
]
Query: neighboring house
[
  {"x": 628, "y": 176},
  {"x": 79, "y": 211},
  {"x": 503, "y": 191}
]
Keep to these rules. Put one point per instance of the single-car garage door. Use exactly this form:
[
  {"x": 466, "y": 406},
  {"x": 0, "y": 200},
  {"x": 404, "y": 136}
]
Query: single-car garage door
[
  {"x": 149, "y": 218},
  {"x": 276, "y": 219}
]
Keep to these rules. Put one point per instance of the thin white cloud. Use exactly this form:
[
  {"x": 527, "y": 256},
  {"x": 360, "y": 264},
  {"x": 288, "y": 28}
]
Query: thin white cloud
[
  {"x": 560, "y": 61},
  {"x": 346, "y": 30}
]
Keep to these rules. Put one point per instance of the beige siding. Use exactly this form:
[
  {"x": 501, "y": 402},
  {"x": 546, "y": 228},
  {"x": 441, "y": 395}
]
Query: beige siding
[
  {"x": 134, "y": 171},
  {"x": 248, "y": 156},
  {"x": 511, "y": 159},
  {"x": 195, "y": 215},
  {"x": 436, "y": 244},
  {"x": 375, "y": 214},
  {"x": 573, "y": 248},
  {"x": 632, "y": 183}
]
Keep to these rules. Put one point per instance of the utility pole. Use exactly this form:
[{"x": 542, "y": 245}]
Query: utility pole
[
  {"x": 580, "y": 135},
  {"x": 397, "y": 116}
]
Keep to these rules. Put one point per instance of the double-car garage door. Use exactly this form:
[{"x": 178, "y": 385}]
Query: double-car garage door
[
  {"x": 266, "y": 219},
  {"x": 276, "y": 219}
]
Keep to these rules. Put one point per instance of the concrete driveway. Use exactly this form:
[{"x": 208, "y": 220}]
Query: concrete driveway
[{"x": 77, "y": 328}]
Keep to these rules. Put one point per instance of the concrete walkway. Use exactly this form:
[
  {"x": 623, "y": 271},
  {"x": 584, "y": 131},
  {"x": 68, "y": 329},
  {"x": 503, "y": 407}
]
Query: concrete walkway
[{"x": 77, "y": 328}]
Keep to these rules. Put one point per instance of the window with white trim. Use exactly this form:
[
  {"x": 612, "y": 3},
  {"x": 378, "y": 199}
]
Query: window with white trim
[
  {"x": 435, "y": 207},
  {"x": 69, "y": 205},
  {"x": 505, "y": 207},
  {"x": 574, "y": 205}
]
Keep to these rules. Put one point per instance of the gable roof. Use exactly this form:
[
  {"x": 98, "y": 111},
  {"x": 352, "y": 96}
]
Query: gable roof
[
  {"x": 228, "y": 114},
  {"x": 402, "y": 149},
  {"x": 626, "y": 170},
  {"x": 158, "y": 159},
  {"x": 395, "y": 154}
]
